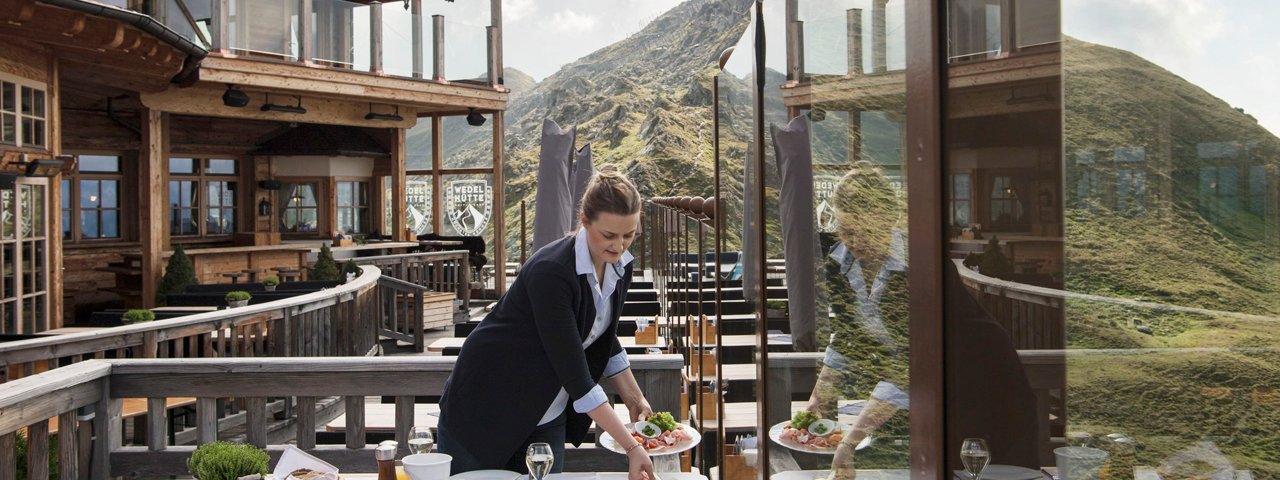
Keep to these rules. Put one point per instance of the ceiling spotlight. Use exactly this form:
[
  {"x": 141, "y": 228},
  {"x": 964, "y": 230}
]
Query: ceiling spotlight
[
  {"x": 234, "y": 98},
  {"x": 474, "y": 118},
  {"x": 271, "y": 107},
  {"x": 394, "y": 117}
]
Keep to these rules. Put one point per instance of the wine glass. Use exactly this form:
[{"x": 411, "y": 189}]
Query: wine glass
[
  {"x": 420, "y": 440},
  {"x": 974, "y": 455},
  {"x": 539, "y": 459}
]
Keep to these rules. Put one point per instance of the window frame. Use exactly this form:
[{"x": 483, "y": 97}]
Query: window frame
[
  {"x": 201, "y": 206},
  {"x": 320, "y": 187},
  {"x": 365, "y": 222},
  {"x": 20, "y": 118},
  {"x": 71, "y": 187}
]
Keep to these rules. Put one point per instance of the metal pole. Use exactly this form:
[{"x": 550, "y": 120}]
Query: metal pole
[
  {"x": 524, "y": 233},
  {"x": 718, "y": 226},
  {"x": 758, "y": 250},
  {"x": 702, "y": 341}
]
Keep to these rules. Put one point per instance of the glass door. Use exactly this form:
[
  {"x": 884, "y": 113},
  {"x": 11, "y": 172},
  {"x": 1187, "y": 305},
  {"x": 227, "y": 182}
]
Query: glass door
[{"x": 24, "y": 258}]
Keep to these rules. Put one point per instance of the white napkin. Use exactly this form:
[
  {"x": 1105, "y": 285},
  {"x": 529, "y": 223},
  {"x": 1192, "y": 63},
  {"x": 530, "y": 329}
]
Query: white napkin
[{"x": 293, "y": 458}]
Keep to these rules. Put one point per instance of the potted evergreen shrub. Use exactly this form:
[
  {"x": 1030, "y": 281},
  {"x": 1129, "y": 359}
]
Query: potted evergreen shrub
[
  {"x": 269, "y": 283},
  {"x": 325, "y": 268},
  {"x": 223, "y": 460},
  {"x": 994, "y": 264},
  {"x": 238, "y": 298},
  {"x": 178, "y": 274},
  {"x": 350, "y": 270},
  {"x": 138, "y": 316}
]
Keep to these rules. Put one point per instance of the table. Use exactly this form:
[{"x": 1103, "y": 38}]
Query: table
[
  {"x": 435, "y": 245},
  {"x": 566, "y": 476}
]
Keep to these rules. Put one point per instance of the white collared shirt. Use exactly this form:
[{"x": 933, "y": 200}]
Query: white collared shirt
[{"x": 601, "y": 292}]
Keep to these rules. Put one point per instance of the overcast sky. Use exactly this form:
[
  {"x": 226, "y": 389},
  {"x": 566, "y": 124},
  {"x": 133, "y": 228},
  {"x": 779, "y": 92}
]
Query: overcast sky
[
  {"x": 1227, "y": 47},
  {"x": 541, "y": 36}
]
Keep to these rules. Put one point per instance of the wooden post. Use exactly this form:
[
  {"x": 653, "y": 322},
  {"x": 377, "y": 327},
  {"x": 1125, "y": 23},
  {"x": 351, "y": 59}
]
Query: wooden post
[
  {"x": 307, "y": 45},
  {"x": 415, "y": 7},
  {"x": 795, "y": 60},
  {"x": 495, "y": 22},
  {"x": 53, "y": 317},
  {"x": 153, "y": 176},
  {"x": 491, "y": 40},
  {"x": 437, "y": 48},
  {"x": 797, "y": 29},
  {"x": 404, "y": 418},
  {"x": 355, "y": 421},
  {"x": 220, "y": 31},
  {"x": 256, "y": 421},
  {"x": 8, "y": 456},
  {"x": 68, "y": 448},
  {"x": 399, "y": 185},
  {"x": 106, "y": 430},
  {"x": 38, "y": 450},
  {"x": 499, "y": 210},
  {"x": 879, "y": 42},
  {"x": 306, "y": 436},
  {"x": 1008, "y": 30},
  {"x": 206, "y": 420},
  {"x": 437, "y": 181},
  {"x": 854, "y": 32},
  {"x": 375, "y": 40},
  {"x": 157, "y": 421}
]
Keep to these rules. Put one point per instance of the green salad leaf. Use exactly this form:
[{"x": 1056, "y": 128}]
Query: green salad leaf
[
  {"x": 649, "y": 432},
  {"x": 802, "y": 419},
  {"x": 664, "y": 420}
]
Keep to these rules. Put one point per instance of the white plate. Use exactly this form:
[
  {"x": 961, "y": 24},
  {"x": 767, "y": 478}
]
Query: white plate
[
  {"x": 775, "y": 434},
  {"x": 608, "y": 442},
  {"x": 487, "y": 475},
  {"x": 1009, "y": 472}
]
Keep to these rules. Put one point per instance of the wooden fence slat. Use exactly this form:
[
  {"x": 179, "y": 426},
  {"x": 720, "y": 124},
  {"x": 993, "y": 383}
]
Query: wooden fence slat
[
  {"x": 38, "y": 450},
  {"x": 8, "y": 456},
  {"x": 404, "y": 420},
  {"x": 355, "y": 421},
  {"x": 306, "y": 436},
  {"x": 106, "y": 431},
  {"x": 68, "y": 456},
  {"x": 206, "y": 420},
  {"x": 256, "y": 421},
  {"x": 157, "y": 423}
]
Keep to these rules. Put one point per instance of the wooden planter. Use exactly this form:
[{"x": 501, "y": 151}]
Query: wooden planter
[{"x": 437, "y": 309}]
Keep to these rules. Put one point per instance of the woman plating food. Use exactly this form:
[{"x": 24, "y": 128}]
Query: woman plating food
[{"x": 531, "y": 371}]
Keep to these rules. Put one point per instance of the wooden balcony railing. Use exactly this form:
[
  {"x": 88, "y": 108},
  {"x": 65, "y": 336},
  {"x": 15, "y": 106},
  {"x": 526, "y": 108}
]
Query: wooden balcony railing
[
  {"x": 30, "y": 402},
  {"x": 331, "y": 322}
]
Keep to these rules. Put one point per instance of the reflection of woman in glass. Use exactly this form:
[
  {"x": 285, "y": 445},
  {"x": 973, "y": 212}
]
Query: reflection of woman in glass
[{"x": 867, "y": 288}]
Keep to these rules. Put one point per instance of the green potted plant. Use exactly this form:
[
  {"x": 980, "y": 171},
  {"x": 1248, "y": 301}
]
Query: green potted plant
[
  {"x": 138, "y": 316},
  {"x": 178, "y": 274},
  {"x": 269, "y": 283},
  {"x": 325, "y": 269},
  {"x": 227, "y": 461},
  {"x": 238, "y": 298}
]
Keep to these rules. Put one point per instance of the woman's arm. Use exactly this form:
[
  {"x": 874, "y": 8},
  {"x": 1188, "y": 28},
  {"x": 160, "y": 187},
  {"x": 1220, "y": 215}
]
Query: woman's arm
[
  {"x": 625, "y": 384},
  {"x": 638, "y": 463}
]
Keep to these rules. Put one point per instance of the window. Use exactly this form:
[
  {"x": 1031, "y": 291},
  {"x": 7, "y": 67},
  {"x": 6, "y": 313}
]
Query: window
[
  {"x": 1006, "y": 208},
  {"x": 91, "y": 200},
  {"x": 299, "y": 211},
  {"x": 1131, "y": 191},
  {"x": 960, "y": 186},
  {"x": 22, "y": 112},
  {"x": 353, "y": 207},
  {"x": 1218, "y": 193},
  {"x": 202, "y": 196}
]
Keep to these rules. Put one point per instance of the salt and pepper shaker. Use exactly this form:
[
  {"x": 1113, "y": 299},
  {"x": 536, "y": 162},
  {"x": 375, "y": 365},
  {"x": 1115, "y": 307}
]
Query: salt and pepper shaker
[{"x": 385, "y": 453}]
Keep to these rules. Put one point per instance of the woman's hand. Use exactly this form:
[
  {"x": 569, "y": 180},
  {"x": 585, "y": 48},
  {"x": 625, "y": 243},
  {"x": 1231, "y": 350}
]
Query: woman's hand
[
  {"x": 639, "y": 465},
  {"x": 639, "y": 409}
]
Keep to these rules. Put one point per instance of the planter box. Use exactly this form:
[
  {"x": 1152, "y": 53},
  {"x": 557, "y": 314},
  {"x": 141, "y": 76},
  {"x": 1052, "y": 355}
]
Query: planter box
[
  {"x": 704, "y": 363},
  {"x": 649, "y": 336},
  {"x": 437, "y": 309}
]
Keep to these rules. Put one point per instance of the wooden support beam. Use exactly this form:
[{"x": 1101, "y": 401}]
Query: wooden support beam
[
  {"x": 206, "y": 100},
  {"x": 499, "y": 208},
  {"x": 153, "y": 184},
  {"x": 106, "y": 430},
  {"x": 399, "y": 185},
  {"x": 54, "y": 96}
]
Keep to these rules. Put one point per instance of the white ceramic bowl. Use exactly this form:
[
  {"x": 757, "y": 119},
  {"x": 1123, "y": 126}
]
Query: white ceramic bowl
[{"x": 427, "y": 466}]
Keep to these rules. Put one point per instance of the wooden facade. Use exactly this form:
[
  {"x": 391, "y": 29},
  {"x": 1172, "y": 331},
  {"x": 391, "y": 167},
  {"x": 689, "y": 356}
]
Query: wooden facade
[{"x": 142, "y": 89}]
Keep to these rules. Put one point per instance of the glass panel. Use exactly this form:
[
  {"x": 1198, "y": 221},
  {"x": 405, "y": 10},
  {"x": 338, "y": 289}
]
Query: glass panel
[
  {"x": 418, "y": 203},
  {"x": 9, "y": 280},
  {"x": 66, "y": 224},
  {"x": 362, "y": 193},
  {"x": 24, "y": 202},
  {"x": 9, "y": 315},
  {"x": 200, "y": 10},
  {"x": 466, "y": 48},
  {"x": 347, "y": 220},
  {"x": 468, "y": 206},
  {"x": 88, "y": 223},
  {"x": 110, "y": 194},
  {"x": 110, "y": 224},
  {"x": 341, "y": 34},
  {"x": 214, "y": 192},
  {"x": 37, "y": 99},
  {"x": 7, "y": 214},
  {"x": 974, "y": 29},
  {"x": 266, "y": 27},
  {"x": 418, "y": 146},
  {"x": 89, "y": 194},
  {"x": 221, "y": 167},
  {"x": 466, "y": 146},
  {"x": 1037, "y": 22},
  {"x": 397, "y": 42},
  {"x": 8, "y": 97},
  {"x": 182, "y": 165},
  {"x": 36, "y": 211},
  {"x": 28, "y": 317},
  {"x": 388, "y": 210},
  {"x": 345, "y": 196},
  {"x": 9, "y": 124},
  {"x": 28, "y": 101},
  {"x": 99, "y": 163}
]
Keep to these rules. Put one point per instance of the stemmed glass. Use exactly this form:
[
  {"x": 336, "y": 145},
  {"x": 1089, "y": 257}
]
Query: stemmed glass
[
  {"x": 420, "y": 440},
  {"x": 974, "y": 455},
  {"x": 539, "y": 459}
]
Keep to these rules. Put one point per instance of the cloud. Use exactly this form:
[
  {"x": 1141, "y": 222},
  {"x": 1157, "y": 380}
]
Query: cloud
[
  {"x": 515, "y": 10},
  {"x": 571, "y": 21}
]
